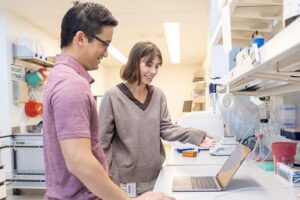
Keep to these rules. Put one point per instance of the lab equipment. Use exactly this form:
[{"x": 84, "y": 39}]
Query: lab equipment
[
  {"x": 284, "y": 152},
  {"x": 213, "y": 96},
  {"x": 288, "y": 115},
  {"x": 210, "y": 122},
  {"x": 289, "y": 173},
  {"x": 291, "y": 133},
  {"x": 227, "y": 100},
  {"x": 225, "y": 147}
]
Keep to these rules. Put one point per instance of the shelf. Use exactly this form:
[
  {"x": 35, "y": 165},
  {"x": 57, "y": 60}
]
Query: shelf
[
  {"x": 199, "y": 86},
  {"x": 26, "y": 179},
  {"x": 248, "y": 16},
  {"x": 22, "y": 53},
  {"x": 278, "y": 71},
  {"x": 26, "y": 175},
  {"x": 26, "y": 185},
  {"x": 36, "y": 61},
  {"x": 27, "y": 135}
]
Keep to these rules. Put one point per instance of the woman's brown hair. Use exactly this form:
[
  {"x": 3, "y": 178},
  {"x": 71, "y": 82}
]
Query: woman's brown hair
[{"x": 131, "y": 71}]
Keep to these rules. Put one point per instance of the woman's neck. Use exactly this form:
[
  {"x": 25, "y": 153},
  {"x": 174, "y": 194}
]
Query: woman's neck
[
  {"x": 134, "y": 87},
  {"x": 139, "y": 91}
]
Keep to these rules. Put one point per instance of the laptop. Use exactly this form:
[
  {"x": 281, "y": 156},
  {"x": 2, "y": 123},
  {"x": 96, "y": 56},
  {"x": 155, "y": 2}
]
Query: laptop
[{"x": 213, "y": 183}]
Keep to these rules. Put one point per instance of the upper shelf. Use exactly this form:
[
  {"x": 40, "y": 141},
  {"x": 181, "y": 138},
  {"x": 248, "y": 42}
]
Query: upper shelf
[
  {"x": 25, "y": 54},
  {"x": 248, "y": 16},
  {"x": 278, "y": 71}
]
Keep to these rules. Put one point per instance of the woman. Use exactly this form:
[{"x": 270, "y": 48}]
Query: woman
[{"x": 133, "y": 119}]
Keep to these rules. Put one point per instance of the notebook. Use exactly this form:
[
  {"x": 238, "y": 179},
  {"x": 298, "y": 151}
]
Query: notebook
[{"x": 213, "y": 183}]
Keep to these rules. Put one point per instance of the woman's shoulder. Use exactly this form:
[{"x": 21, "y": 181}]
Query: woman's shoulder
[
  {"x": 113, "y": 90},
  {"x": 157, "y": 91}
]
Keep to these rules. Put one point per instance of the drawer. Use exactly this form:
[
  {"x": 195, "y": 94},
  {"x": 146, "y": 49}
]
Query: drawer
[{"x": 2, "y": 190}]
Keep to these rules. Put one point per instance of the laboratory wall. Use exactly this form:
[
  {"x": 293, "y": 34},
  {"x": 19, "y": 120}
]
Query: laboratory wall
[
  {"x": 100, "y": 76},
  {"x": 17, "y": 30}
]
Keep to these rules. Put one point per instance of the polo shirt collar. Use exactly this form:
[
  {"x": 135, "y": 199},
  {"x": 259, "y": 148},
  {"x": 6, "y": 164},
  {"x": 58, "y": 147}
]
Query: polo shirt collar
[{"x": 74, "y": 64}]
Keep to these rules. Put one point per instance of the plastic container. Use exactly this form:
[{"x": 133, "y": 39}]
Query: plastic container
[
  {"x": 33, "y": 108},
  {"x": 257, "y": 39},
  {"x": 34, "y": 79},
  {"x": 267, "y": 166},
  {"x": 283, "y": 152}
]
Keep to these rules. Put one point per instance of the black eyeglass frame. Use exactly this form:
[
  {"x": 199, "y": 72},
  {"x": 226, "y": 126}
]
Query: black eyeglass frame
[{"x": 105, "y": 43}]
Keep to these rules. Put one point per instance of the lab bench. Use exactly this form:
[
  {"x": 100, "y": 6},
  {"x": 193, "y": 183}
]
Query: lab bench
[{"x": 250, "y": 182}]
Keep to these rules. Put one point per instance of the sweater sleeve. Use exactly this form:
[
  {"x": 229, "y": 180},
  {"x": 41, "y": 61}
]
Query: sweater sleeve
[
  {"x": 106, "y": 126},
  {"x": 173, "y": 132}
]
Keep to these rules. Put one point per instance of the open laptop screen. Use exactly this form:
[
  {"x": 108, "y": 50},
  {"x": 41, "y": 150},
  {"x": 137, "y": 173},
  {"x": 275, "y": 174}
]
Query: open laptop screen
[{"x": 232, "y": 164}]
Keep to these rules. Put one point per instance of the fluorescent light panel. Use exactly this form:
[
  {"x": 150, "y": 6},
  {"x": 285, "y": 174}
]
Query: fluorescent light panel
[
  {"x": 117, "y": 54},
  {"x": 172, "y": 34}
]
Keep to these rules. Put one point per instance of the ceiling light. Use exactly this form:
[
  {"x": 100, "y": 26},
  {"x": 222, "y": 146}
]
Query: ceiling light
[
  {"x": 117, "y": 54},
  {"x": 172, "y": 34}
]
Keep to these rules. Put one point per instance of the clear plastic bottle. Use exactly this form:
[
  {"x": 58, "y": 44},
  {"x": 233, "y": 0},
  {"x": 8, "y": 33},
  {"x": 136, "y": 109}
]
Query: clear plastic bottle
[{"x": 262, "y": 151}]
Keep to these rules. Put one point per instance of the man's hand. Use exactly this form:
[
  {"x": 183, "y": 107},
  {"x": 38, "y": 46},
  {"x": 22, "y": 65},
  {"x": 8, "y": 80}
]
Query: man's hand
[
  {"x": 154, "y": 196},
  {"x": 208, "y": 142}
]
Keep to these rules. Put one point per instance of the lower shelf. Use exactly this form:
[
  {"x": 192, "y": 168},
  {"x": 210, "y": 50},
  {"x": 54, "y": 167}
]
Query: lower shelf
[
  {"x": 26, "y": 185},
  {"x": 24, "y": 179}
]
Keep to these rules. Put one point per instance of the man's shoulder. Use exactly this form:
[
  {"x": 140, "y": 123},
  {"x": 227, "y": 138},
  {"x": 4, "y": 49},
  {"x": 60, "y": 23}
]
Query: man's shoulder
[{"x": 66, "y": 75}]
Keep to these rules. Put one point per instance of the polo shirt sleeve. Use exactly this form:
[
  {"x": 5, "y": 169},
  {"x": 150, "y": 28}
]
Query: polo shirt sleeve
[{"x": 71, "y": 108}]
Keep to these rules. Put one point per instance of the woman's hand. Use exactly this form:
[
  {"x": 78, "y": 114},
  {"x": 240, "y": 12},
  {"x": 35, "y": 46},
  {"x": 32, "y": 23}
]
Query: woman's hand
[{"x": 208, "y": 142}]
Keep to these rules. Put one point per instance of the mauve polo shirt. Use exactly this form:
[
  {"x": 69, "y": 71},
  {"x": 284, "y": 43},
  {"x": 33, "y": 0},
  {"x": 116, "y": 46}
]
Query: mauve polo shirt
[{"x": 69, "y": 112}]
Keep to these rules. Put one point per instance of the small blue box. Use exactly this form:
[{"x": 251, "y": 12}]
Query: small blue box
[{"x": 259, "y": 41}]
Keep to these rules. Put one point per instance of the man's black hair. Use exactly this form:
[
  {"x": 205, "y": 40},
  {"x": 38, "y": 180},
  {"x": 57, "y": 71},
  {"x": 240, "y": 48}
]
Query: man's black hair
[{"x": 87, "y": 17}]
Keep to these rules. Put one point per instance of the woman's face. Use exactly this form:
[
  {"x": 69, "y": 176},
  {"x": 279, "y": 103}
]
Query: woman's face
[{"x": 149, "y": 69}]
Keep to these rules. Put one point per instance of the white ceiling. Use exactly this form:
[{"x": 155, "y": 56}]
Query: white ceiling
[{"x": 138, "y": 20}]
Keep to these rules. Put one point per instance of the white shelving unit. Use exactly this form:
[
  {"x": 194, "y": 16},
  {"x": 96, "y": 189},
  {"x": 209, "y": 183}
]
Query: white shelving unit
[
  {"x": 248, "y": 16},
  {"x": 28, "y": 170},
  {"x": 278, "y": 71},
  {"x": 26, "y": 149},
  {"x": 24, "y": 54}
]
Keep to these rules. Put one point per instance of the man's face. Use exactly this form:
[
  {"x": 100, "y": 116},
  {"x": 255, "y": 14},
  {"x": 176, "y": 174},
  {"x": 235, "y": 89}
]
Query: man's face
[{"x": 95, "y": 50}]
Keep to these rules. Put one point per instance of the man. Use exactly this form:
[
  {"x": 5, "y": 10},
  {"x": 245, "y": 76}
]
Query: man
[{"x": 74, "y": 160}]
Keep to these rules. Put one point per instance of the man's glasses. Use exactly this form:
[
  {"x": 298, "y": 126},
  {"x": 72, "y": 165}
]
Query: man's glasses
[{"x": 104, "y": 43}]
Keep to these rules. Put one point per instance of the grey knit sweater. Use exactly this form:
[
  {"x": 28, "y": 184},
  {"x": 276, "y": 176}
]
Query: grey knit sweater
[{"x": 131, "y": 137}]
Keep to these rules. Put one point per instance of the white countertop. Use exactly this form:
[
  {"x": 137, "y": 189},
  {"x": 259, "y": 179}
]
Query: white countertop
[{"x": 249, "y": 183}]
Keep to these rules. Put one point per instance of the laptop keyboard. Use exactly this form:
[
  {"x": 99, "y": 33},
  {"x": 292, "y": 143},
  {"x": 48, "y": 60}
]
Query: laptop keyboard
[{"x": 204, "y": 182}]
